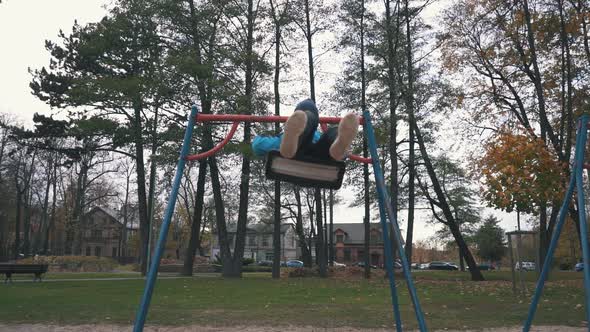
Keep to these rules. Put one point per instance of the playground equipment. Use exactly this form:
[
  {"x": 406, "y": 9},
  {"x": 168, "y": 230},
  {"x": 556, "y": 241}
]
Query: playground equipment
[
  {"x": 387, "y": 215},
  {"x": 576, "y": 182},
  {"x": 283, "y": 169}
]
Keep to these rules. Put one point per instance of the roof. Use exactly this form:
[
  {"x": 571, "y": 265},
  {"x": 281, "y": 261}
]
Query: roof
[
  {"x": 355, "y": 232},
  {"x": 132, "y": 223},
  {"x": 261, "y": 228}
]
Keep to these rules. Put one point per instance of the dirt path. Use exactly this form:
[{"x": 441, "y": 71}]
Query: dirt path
[{"x": 119, "y": 328}]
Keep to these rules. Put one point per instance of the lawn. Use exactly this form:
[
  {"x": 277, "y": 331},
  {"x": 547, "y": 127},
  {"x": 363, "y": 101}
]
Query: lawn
[
  {"x": 76, "y": 275},
  {"x": 447, "y": 299}
]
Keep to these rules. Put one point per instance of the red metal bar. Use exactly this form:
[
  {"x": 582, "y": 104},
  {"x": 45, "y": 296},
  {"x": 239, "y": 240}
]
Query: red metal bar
[
  {"x": 360, "y": 159},
  {"x": 237, "y": 118},
  {"x": 218, "y": 147},
  {"x": 259, "y": 118}
]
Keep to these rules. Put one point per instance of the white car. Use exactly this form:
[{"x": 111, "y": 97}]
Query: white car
[
  {"x": 340, "y": 265},
  {"x": 526, "y": 266}
]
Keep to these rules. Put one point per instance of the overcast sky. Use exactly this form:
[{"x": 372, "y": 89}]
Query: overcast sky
[{"x": 26, "y": 24}]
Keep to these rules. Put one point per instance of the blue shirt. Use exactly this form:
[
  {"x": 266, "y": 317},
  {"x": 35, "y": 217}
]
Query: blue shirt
[{"x": 261, "y": 145}]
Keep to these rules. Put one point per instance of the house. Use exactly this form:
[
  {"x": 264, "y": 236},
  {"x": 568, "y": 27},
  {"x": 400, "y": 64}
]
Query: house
[
  {"x": 349, "y": 242},
  {"x": 259, "y": 242},
  {"x": 105, "y": 233}
]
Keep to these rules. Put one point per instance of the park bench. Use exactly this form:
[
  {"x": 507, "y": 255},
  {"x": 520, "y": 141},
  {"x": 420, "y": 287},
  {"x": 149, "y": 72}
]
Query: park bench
[{"x": 10, "y": 269}]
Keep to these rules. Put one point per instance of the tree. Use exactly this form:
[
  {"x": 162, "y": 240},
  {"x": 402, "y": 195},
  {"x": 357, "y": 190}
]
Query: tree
[
  {"x": 490, "y": 240},
  {"x": 462, "y": 201},
  {"x": 114, "y": 68},
  {"x": 520, "y": 174}
]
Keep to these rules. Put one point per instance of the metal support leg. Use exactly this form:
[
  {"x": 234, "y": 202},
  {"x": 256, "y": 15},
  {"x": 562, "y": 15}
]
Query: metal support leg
[
  {"x": 390, "y": 269},
  {"x": 155, "y": 263},
  {"x": 577, "y": 172},
  {"x": 582, "y": 212},
  {"x": 385, "y": 201}
]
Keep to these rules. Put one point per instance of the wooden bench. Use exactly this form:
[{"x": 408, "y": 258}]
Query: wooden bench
[{"x": 10, "y": 269}]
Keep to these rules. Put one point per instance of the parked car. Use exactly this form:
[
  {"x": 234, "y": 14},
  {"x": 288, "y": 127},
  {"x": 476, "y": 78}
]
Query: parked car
[
  {"x": 526, "y": 266},
  {"x": 424, "y": 266},
  {"x": 339, "y": 265},
  {"x": 484, "y": 267},
  {"x": 294, "y": 263},
  {"x": 362, "y": 264},
  {"x": 415, "y": 266},
  {"x": 579, "y": 267},
  {"x": 442, "y": 266},
  {"x": 264, "y": 263}
]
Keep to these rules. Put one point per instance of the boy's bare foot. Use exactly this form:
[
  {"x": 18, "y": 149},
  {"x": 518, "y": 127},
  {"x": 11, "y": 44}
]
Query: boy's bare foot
[
  {"x": 294, "y": 127},
  {"x": 347, "y": 130}
]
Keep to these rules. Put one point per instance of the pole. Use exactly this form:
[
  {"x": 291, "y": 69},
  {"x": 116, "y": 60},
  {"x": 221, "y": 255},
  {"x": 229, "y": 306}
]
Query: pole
[
  {"x": 577, "y": 172},
  {"x": 155, "y": 263},
  {"x": 385, "y": 204}
]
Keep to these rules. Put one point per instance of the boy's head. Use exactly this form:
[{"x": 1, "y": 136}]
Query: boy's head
[{"x": 307, "y": 105}]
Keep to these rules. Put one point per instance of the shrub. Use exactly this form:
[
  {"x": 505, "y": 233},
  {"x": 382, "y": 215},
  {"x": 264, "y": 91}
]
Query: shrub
[
  {"x": 565, "y": 266},
  {"x": 247, "y": 261},
  {"x": 303, "y": 272},
  {"x": 73, "y": 263}
]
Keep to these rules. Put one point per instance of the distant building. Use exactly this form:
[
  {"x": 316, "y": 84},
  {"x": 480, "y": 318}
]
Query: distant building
[
  {"x": 349, "y": 241},
  {"x": 105, "y": 233},
  {"x": 259, "y": 242}
]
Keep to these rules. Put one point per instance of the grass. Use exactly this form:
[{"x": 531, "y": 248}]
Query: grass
[
  {"x": 76, "y": 275},
  {"x": 448, "y": 301}
]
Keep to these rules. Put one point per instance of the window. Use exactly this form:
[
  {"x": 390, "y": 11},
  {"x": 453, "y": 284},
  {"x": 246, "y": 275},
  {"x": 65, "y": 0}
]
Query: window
[
  {"x": 97, "y": 233},
  {"x": 230, "y": 239},
  {"x": 114, "y": 252},
  {"x": 265, "y": 241},
  {"x": 88, "y": 251},
  {"x": 269, "y": 256},
  {"x": 375, "y": 237},
  {"x": 97, "y": 251},
  {"x": 347, "y": 254},
  {"x": 252, "y": 240},
  {"x": 339, "y": 238}
]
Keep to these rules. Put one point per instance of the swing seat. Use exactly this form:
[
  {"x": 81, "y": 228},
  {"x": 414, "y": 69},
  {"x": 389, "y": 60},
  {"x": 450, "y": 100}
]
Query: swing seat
[{"x": 305, "y": 171}]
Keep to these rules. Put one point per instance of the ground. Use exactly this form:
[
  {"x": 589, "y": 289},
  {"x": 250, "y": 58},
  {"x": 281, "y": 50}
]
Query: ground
[{"x": 258, "y": 303}]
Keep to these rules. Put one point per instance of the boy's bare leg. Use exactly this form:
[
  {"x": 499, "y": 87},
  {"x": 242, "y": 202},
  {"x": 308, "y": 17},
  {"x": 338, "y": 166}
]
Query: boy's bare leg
[
  {"x": 293, "y": 129},
  {"x": 347, "y": 130}
]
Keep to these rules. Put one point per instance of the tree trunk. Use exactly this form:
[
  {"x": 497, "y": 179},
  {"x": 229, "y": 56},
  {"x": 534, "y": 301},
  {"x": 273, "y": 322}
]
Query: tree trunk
[
  {"x": 411, "y": 197},
  {"x": 301, "y": 238},
  {"x": 367, "y": 217},
  {"x": 194, "y": 241},
  {"x": 451, "y": 223},
  {"x": 18, "y": 214},
  {"x": 276, "y": 239},
  {"x": 320, "y": 235},
  {"x": 309, "y": 37},
  {"x": 331, "y": 238},
  {"x": 144, "y": 225}
]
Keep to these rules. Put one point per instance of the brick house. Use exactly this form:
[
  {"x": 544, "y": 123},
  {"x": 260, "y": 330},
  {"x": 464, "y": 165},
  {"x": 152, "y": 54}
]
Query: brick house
[
  {"x": 349, "y": 241},
  {"x": 259, "y": 242},
  {"x": 105, "y": 234}
]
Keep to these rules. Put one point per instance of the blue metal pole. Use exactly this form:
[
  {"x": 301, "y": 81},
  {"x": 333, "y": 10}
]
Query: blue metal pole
[
  {"x": 582, "y": 210},
  {"x": 384, "y": 200},
  {"x": 388, "y": 264},
  {"x": 153, "y": 271},
  {"x": 578, "y": 160}
]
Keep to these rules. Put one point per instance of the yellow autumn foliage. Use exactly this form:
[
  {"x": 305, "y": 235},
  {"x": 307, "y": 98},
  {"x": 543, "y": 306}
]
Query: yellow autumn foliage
[{"x": 519, "y": 173}]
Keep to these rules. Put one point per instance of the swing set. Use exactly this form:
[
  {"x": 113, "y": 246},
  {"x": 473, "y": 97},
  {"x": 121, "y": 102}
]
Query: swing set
[{"x": 329, "y": 174}]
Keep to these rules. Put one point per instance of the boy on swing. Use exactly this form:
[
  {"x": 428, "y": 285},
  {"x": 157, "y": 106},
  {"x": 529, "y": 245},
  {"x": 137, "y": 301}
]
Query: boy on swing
[{"x": 300, "y": 136}]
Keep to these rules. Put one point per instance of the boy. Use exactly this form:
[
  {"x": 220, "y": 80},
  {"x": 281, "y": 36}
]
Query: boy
[{"x": 301, "y": 138}]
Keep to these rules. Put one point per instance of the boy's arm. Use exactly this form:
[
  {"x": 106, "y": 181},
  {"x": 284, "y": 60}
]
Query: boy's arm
[{"x": 261, "y": 145}]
